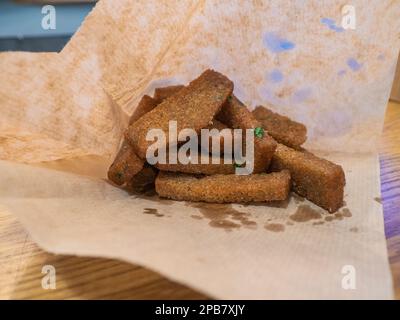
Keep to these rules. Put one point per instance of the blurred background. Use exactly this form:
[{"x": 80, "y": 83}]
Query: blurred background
[
  {"x": 21, "y": 28},
  {"x": 21, "y": 24}
]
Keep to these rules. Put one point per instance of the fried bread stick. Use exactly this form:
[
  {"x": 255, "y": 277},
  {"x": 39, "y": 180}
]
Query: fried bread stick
[
  {"x": 224, "y": 188},
  {"x": 236, "y": 115},
  {"x": 282, "y": 129},
  {"x": 194, "y": 106},
  {"x": 199, "y": 168},
  {"x": 148, "y": 103},
  {"x": 316, "y": 179},
  {"x": 144, "y": 179},
  {"x": 145, "y": 105},
  {"x": 160, "y": 94},
  {"x": 125, "y": 166},
  {"x": 125, "y": 155},
  {"x": 220, "y": 136}
]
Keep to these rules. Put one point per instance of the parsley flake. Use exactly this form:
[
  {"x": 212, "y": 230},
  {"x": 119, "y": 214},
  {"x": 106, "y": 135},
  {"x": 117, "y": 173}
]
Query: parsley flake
[
  {"x": 238, "y": 165},
  {"x": 259, "y": 132}
]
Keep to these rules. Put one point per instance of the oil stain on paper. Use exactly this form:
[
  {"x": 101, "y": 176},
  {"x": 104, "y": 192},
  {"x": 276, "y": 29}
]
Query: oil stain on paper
[
  {"x": 275, "y": 227},
  {"x": 152, "y": 211},
  {"x": 228, "y": 218},
  {"x": 222, "y": 216},
  {"x": 305, "y": 213}
]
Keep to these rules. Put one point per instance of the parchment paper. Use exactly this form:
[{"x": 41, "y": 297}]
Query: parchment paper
[{"x": 289, "y": 55}]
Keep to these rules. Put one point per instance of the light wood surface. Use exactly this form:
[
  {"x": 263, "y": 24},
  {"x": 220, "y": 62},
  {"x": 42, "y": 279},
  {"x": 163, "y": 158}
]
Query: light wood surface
[
  {"x": 21, "y": 261},
  {"x": 390, "y": 188},
  {"x": 395, "y": 95}
]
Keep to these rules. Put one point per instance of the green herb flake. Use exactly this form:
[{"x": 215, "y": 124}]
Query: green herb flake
[
  {"x": 230, "y": 98},
  {"x": 238, "y": 165},
  {"x": 259, "y": 132}
]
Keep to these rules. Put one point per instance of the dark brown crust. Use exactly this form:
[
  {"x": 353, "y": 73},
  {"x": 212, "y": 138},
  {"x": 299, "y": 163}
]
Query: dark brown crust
[
  {"x": 146, "y": 104},
  {"x": 160, "y": 94},
  {"x": 143, "y": 180},
  {"x": 236, "y": 115},
  {"x": 281, "y": 128},
  {"x": 125, "y": 166},
  {"x": 316, "y": 179},
  {"x": 224, "y": 188},
  {"x": 194, "y": 106},
  {"x": 217, "y": 125},
  {"x": 126, "y": 158}
]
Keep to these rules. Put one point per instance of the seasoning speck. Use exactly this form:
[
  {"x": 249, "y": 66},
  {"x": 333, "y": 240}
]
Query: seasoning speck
[
  {"x": 239, "y": 165},
  {"x": 259, "y": 132}
]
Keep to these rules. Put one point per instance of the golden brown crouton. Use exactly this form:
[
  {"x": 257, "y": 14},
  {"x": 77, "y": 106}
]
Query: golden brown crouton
[
  {"x": 236, "y": 115},
  {"x": 194, "y": 106},
  {"x": 160, "y": 94},
  {"x": 316, "y": 179},
  {"x": 224, "y": 188},
  {"x": 281, "y": 128}
]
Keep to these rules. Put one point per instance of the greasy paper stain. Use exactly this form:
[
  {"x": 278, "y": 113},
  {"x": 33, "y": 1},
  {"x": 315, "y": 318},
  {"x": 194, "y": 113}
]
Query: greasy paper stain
[
  {"x": 297, "y": 199},
  {"x": 346, "y": 213},
  {"x": 225, "y": 224},
  {"x": 223, "y": 215},
  {"x": 151, "y": 195},
  {"x": 275, "y": 227},
  {"x": 305, "y": 213},
  {"x": 152, "y": 211},
  {"x": 329, "y": 218},
  {"x": 340, "y": 215},
  {"x": 355, "y": 229}
]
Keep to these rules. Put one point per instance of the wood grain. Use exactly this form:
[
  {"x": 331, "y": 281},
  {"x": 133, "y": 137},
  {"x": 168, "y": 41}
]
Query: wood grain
[
  {"x": 21, "y": 260},
  {"x": 390, "y": 188}
]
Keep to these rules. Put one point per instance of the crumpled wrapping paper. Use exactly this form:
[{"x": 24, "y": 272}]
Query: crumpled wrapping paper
[{"x": 59, "y": 110}]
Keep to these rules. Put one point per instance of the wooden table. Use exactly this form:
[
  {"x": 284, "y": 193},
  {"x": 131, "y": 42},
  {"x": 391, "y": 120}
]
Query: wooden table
[
  {"x": 390, "y": 188},
  {"x": 21, "y": 261}
]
